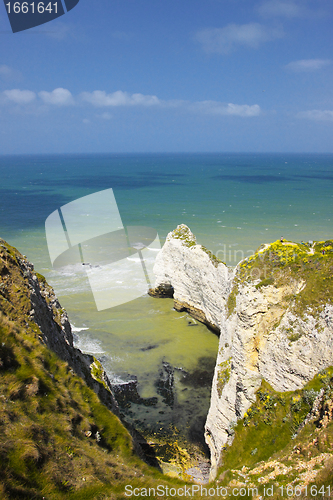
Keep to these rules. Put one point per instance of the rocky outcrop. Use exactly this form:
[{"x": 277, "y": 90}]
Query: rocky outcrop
[
  {"x": 164, "y": 384},
  {"x": 127, "y": 393},
  {"x": 161, "y": 292},
  {"x": 273, "y": 312},
  {"x": 200, "y": 282}
]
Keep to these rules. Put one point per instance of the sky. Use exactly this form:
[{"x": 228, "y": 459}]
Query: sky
[{"x": 170, "y": 76}]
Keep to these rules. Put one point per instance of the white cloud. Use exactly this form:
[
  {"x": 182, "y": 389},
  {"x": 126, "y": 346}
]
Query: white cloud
[
  {"x": 277, "y": 8},
  {"x": 119, "y": 98},
  {"x": 5, "y": 70},
  {"x": 100, "y": 99},
  {"x": 59, "y": 97},
  {"x": 105, "y": 116},
  {"x": 224, "y": 40},
  {"x": 218, "y": 108},
  {"x": 19, "y": 96},
  {"x": 243, "y": 109},
  {"x": 8, "y": 73},
  {"x": 60, "y": 31},
  {"x": 308, "y": 64},
  {"x": 317, "y": 115},
  {"x": 144, "y": 100}
]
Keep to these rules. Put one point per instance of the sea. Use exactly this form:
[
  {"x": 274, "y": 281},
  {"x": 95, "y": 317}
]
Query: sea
[{"x": 232, "y": 203}]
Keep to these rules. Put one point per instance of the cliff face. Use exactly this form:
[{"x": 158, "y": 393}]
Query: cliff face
[
  {"x": 27, "y": 299},
  {"x": 274, "y": 313},
  {"x": 198, "y": 282}
]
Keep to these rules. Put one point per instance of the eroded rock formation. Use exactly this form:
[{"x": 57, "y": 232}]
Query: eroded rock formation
[
  {"x": 274, "y": 313},
  {"x": 200, "y": 283}
]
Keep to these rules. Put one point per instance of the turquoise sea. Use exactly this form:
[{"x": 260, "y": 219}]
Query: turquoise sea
[{"x": 231, "y": 202}]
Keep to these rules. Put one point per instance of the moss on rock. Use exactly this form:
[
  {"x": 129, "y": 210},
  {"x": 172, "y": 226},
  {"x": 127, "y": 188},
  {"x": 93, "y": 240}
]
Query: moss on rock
[
  {"x": 231, "y": 303},
  {"x": 98, "y": 373},
  {"x": 212, "y": 257},
  {"x": 223, "y": 375},
  {"x": 281, "y": 262},
  {"x": 281, "y": 435},
  {"x": 183, "y": 233}
]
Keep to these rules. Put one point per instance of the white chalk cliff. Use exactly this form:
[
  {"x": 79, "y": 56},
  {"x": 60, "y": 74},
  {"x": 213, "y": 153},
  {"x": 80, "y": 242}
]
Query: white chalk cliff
[{"x": 266, "y": 332}]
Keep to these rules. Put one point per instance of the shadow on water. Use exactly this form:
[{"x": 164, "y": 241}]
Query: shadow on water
[
  {"x": 99, "y": 182},
  {"x": 254, "y": 179},
  {"x": 179, "y": 407},
  {"x": 28, "y": 209}
]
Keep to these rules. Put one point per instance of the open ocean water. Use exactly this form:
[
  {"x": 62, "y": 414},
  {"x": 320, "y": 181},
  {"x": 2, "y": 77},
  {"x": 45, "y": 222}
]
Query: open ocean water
[{"x": 231, "y": 202}]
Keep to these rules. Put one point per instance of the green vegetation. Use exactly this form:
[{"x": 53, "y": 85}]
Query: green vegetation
[
  {"x": 223, "y": 375},
  {"x": 231, "y": 303},
  {"x": 97, "y": 371},
  {"x": 212, "y": 257},
  {"x": 182, "y": 232},
  {"x": 265, "y": 282},
  {"x": 286, "y": 262},
  {"x": 56, "y": 439},
  {"x": 294, "y": 335},
  {"x": 41, "y": 278},
  {"x": 271, "y": 433}
]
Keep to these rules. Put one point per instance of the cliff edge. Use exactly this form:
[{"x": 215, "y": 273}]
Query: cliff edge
[{"x": 28, "y": 300}]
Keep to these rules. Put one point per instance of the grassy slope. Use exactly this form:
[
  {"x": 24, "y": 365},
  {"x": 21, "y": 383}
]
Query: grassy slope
[
  {"x": 58, "y": 441},
  {"x": 270, "y": 446}
]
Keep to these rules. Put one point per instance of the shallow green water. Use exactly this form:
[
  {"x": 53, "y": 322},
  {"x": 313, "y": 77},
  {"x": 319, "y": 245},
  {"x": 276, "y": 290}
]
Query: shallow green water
[{"x": 134, "y": 340}]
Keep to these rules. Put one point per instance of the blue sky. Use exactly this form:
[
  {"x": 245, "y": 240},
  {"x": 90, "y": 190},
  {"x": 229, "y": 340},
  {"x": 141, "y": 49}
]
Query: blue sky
[{"x": 169, "y": 76}]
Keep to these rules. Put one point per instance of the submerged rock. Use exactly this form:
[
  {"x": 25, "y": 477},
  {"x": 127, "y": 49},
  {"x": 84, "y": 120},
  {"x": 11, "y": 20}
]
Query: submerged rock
[
  {"x": 127, "y": 393},
  {"x": 164, "y": 384},
  {"x": 200, "y": 377}
]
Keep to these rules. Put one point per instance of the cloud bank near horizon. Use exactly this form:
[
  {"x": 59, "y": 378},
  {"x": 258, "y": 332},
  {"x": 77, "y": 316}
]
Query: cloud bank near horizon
[{"x": 61, "y": 97}]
